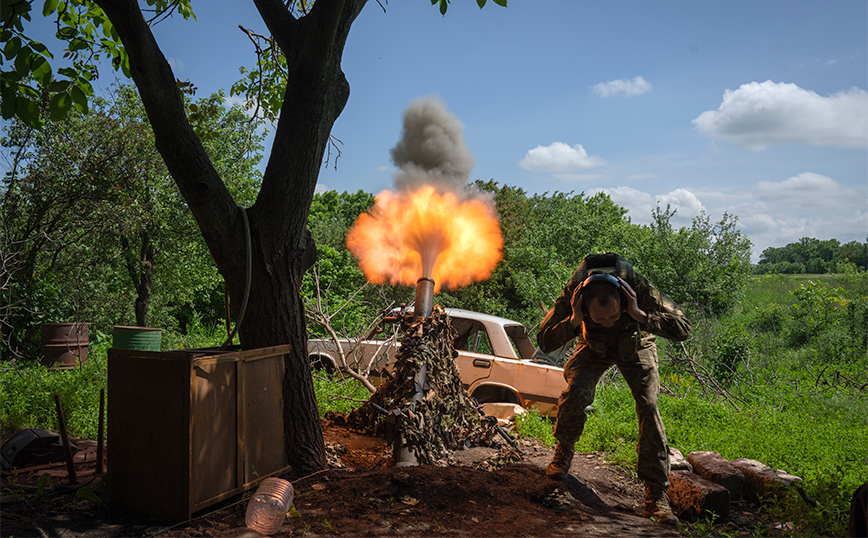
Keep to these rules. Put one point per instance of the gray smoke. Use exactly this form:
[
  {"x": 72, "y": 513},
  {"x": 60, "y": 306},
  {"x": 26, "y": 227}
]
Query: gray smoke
[{"x": 431, "y": 150}]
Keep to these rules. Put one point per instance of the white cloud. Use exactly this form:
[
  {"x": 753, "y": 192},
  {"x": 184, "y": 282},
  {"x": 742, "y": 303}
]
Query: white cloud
[
  {"x": 176, "y": 65},
  {"x": 641, "y": 204},
  {"x": 637, "y": 86},
  {"x": 559, "y": 157},
  {"x": 760, "y": 114},
  {"x": 684, "y": 201},
  {"x": 805, "y": 190}
]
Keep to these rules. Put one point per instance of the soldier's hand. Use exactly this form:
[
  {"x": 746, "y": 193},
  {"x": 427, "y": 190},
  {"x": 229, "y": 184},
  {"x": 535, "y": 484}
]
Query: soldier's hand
[
  {"x": 633, "y": 309},
  {"x": 576, "y": 302}
]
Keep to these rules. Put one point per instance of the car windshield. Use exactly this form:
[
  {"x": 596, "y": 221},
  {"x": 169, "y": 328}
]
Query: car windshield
[
  {"x": 522, "y": 345},
  {"x": 471, "y": 335}
]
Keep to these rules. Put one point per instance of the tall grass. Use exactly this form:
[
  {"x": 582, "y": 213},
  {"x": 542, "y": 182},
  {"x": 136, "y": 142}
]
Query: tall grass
[{"x": 787, "y": 386}]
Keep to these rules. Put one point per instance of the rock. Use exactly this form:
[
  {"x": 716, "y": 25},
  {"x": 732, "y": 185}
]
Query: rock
[
  {"x": 692, "y": 495},
  {"x": 677, "y": 461},
  {"x": 502, "y": 411},
  {"x": 787, "y": 479},
  {"x": 761, "y": 481},
  {"x": 714, "y": 467}
]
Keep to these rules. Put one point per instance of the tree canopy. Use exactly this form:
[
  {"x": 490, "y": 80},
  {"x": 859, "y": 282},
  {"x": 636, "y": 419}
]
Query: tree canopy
[{"x": 273, "y": 230}]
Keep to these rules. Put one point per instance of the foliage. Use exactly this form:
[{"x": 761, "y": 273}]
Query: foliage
[
  {"x": 829, "y": 318},
  {"x": 338, "y": 394},
  {"x": 327, "y": 287},
  {"x": 332, "y": 215},
  {"x": 702, "y": 266},
  {"x": 90, "y": 195},
  {"x": 545, "y": 238},
  {"x": 729, "y": 349},
  {"x": 814, "y": 256},
  {"x": 33, "y": 80},
  {"x": 27, "y": 393}
]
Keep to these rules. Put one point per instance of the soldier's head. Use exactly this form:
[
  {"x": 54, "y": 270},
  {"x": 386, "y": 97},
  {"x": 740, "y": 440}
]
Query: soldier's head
[{"x": 604, "y": 300}]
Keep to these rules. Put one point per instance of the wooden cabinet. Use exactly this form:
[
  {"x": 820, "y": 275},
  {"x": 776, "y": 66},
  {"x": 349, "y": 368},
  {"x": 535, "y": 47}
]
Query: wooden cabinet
[{"x": 190, "y": 428}]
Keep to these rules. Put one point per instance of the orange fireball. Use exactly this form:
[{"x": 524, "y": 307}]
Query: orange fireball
[{"x": 408, "y": 235}]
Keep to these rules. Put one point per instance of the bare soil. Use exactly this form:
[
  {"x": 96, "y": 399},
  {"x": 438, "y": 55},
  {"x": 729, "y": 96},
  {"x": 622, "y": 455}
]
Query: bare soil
[{"x": 368, "y": 496}]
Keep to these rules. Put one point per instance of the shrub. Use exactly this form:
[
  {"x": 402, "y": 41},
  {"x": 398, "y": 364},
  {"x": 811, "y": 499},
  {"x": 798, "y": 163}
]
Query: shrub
[{"x": 729, "y": 348}]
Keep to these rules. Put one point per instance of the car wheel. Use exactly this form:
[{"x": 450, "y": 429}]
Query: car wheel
[
  {"x": 492, "y": 394},
  {"x": 318, "y": 362}
]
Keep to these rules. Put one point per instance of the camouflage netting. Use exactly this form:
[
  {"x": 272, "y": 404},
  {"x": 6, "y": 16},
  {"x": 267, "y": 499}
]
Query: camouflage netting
[{"x": 424, "y": 407}]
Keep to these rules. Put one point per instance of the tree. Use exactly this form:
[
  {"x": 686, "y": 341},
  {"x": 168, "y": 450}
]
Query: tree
[
  {"x": 311, "y": 39},
  {"x": 703, "y": 265},
  {"x": 89, "y": 195}
]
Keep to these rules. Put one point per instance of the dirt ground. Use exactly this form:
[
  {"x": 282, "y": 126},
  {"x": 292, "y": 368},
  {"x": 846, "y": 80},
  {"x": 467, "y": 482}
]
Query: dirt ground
[{"x": 368, "y": 496}]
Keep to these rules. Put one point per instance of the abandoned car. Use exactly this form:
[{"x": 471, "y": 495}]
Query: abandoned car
[{"x": 497, "y": 361}]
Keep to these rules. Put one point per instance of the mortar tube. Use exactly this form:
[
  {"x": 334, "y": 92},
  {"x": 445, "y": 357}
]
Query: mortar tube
[{"x": 424, "y": 298}]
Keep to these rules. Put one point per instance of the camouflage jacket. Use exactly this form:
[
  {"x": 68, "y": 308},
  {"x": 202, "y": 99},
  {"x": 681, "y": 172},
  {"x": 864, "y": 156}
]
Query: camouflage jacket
[{"x": 664, "y": 316}]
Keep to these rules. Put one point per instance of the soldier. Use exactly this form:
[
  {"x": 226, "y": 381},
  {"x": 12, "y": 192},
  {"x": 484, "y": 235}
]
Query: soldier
[{"x": 614, "y": 313}]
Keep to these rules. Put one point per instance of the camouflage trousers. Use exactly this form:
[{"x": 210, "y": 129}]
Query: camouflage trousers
[{"x": 637, "y": 362}]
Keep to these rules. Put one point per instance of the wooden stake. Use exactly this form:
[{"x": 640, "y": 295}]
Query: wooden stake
[
  {"x": 70, "y": 466},
  {"x": 100, "y": 436}
]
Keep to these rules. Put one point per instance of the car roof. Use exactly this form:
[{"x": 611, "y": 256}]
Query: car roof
[{"x": 469, "y": 314}]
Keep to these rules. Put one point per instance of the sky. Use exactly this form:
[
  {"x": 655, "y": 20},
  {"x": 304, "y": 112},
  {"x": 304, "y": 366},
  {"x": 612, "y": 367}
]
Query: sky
[{"x": 755, "y": 109}]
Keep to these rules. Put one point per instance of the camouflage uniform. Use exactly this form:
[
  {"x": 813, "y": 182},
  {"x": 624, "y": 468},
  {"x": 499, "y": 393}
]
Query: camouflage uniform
[{"x": 629, "y": 346}]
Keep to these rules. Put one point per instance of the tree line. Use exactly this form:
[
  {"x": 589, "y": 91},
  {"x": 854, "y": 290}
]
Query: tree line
[{"x": 814, "y": 256}]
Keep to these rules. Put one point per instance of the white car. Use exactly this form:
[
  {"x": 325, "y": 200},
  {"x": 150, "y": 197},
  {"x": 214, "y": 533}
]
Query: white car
[{"x": 496, "y": 359}]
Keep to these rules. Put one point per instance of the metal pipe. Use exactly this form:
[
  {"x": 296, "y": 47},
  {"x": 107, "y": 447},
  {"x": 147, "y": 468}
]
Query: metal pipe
[{"x": 424, "y": 298}]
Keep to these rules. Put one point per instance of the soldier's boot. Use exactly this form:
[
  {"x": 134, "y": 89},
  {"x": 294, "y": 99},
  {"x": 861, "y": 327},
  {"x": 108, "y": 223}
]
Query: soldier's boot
[
  {"x": 657, "y": 506},
  {"x": 561, "y": 462}
]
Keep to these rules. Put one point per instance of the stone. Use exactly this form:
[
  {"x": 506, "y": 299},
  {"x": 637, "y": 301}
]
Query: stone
[
  {"x": 692, "y": 495},
  {"x": 761, "y": 481},
  {"x": 677, "y": 461},
  {"x": 714, "y": 467},
  {"x": 503, "y": 412}
]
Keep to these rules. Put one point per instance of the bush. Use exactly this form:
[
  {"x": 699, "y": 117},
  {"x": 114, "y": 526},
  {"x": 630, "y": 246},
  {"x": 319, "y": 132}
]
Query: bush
[
  {"x": 729, "y": 348},
  {"x": 768, "y": 318}
]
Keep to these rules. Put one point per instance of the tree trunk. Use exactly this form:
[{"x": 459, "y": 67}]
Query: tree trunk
[
  {"x": 141, "y": 271},
  {"x": 282, "y": 248}
]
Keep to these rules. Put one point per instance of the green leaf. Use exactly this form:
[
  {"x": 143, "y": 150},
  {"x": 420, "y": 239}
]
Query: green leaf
[
  {"x": 480, "y": 3},
  {"x": 443, "y": 6},
  {"x": 49, "y": 7},
  {"x": 41, "y": 49},
  {"x": 59, "y": 106},
  {"x": 12, "y": 47},
  {"x": 22, "y": 62},
  {"x": 501, "y": 3},
  {"x": 59, "y": 86},
  {"x": 79, "y": 99},
  {"x": 77, "y": 44},
  {"x": 41, "y": 69},
  {"x": 27, "y": 111},
  {"x": 7, "y": 101},
  {"x": 42, "y": 482},
  {"x": 87, "y": 494}
]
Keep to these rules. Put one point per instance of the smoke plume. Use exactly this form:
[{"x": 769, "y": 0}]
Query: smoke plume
[{"x": 431, "y": 150}]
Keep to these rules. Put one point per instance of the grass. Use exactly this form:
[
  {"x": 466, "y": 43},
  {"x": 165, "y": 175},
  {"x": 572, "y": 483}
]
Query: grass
[{"x": 800, "y": 408}]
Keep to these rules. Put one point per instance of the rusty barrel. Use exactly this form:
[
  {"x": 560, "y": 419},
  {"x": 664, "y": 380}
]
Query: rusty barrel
[{"x": 64, "y": 345}]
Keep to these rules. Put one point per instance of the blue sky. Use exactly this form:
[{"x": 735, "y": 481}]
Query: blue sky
[{"x": 758, "y": 109}]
